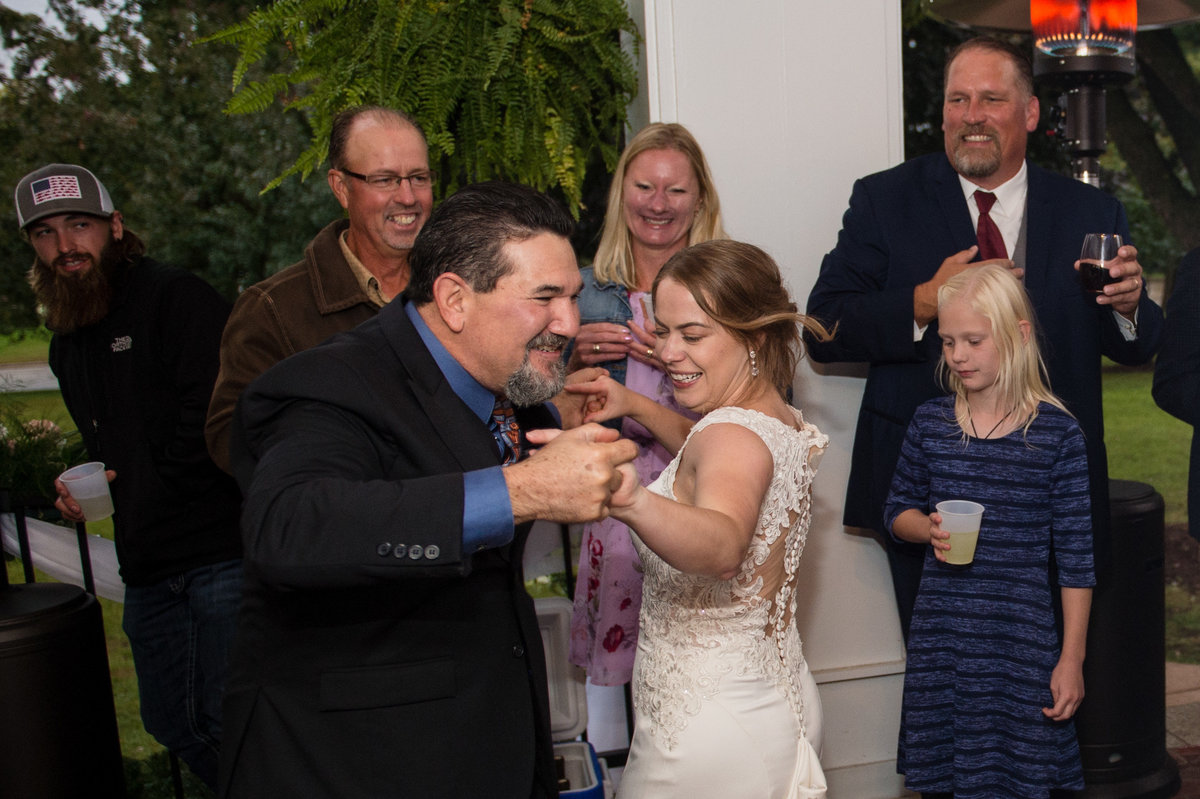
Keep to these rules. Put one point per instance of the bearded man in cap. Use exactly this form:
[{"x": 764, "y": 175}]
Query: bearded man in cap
[{"x": 135, "y": 351}]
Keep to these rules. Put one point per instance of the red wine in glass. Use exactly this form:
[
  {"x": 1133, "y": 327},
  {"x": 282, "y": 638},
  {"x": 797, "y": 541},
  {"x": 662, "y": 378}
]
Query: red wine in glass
[{"x": 1098, "y": 250}]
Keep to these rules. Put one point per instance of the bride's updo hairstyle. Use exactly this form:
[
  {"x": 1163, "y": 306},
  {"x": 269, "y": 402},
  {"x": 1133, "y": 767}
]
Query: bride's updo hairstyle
[{"x": 740, "y": 287}]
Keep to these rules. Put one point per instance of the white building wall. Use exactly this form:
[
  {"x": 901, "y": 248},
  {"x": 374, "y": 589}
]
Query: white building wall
[{"x": 792, "y": 100}]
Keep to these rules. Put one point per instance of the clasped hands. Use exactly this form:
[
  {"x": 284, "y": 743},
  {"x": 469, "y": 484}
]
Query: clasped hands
[
  {"x": 603, "y": 342},
  {"x": 579, "y": 473}
]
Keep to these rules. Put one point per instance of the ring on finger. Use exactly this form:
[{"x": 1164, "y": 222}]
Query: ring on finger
[
  {"x": 649, "y": 352},
  {"x": 596, "y": 348}
]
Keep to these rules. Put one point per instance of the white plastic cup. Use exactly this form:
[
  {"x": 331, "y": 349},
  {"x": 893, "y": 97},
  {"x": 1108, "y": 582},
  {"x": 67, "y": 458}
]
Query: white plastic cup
[
  {"x": 961, "y": 519},
  {"x": 88, "y": 484}
]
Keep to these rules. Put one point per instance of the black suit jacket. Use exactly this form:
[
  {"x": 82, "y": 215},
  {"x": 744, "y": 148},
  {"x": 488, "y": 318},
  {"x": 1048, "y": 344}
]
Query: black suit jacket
[
  {"x": 374, "y": 657},
  {"x": 900, "y": 226},
  {"x": 1177, "y": 371}
]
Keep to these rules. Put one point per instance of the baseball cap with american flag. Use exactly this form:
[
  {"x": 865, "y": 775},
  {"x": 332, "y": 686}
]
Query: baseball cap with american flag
[{"x": 60, "y": 189}]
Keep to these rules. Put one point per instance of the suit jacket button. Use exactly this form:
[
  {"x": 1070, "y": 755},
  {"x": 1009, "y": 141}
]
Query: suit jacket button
[
  {"x": 383, "y": 550},
  {"x": 400, "y": 551},
  {"x": 432, "y": 551},
  {"x": 416, "y": 552},
  {"x": 518, "y": 651}
]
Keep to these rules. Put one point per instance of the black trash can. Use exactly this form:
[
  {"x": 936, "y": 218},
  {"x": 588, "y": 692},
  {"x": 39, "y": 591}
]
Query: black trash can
[
  {"x": 1122, "y": 724},
  {"x": 58, "y": 726}
]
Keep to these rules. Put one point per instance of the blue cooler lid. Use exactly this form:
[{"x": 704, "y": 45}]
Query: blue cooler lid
[{"x": 568, "y": 692}]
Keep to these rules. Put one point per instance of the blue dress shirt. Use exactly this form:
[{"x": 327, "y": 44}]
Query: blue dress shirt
[{"x": 487, "y": 508}]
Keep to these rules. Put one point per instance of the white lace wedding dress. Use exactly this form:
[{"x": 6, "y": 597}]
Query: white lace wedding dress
[{"x": 722, "y": 694}]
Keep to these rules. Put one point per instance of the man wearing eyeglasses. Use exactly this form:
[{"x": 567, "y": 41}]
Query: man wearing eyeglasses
[{"x": 379, "y": 172}]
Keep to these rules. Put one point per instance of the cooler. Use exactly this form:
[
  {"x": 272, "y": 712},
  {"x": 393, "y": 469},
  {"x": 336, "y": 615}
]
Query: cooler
[{"x": 586, "y": 775}]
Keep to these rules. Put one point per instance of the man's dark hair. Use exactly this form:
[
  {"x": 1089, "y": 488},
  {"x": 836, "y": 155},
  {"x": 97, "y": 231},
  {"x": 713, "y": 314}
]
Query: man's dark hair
[
  {"x": 129, "y": 248},
  {"x": 339, "y": 132},
  {"x": 466, "y": 233},
  {"x": 1019, "y": 59}
]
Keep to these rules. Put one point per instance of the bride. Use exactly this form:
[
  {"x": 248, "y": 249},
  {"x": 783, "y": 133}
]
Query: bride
[{"x": 722, "y": 694}]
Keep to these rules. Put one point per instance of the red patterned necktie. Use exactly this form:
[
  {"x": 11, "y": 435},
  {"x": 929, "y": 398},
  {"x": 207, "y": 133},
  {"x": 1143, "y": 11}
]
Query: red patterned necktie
[
  {"x": 991, "y": 243},
  {"x": 505, "y": 431}
]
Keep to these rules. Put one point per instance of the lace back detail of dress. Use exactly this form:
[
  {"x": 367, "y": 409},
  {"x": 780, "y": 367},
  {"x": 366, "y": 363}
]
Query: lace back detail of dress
[{"x": 696, "y": 628}]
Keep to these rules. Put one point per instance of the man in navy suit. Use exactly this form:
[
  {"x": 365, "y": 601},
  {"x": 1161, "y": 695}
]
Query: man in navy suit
[
  {"x": 1177, "y": 371},
  {"x": 912, "y": 227},
  {"x": 386, "y": 644}
]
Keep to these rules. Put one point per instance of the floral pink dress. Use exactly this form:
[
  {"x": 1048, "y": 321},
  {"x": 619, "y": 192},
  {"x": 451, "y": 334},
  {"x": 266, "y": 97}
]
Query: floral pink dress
[{"x": 608, "y": 590}]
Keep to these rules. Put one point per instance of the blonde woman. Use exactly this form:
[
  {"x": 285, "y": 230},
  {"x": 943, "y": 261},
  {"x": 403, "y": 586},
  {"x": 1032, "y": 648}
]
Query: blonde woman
[{"x": 662, "y": 199}]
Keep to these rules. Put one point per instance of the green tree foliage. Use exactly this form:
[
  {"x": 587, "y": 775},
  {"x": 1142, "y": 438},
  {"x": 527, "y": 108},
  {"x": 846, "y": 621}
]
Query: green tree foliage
[
  {"x": 525, "y": 90},
  {"x": 1154, "y": 152},
  {"x": 1154, "y": 122},
  {"x": 120, "y": 88}
]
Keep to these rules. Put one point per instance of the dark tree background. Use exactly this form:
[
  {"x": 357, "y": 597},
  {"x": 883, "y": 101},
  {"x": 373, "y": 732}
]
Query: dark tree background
[
  {"x": 118, "y": 87},
  {"x": 123, "y": 88},
  {"x": 1153, "y": 128}
]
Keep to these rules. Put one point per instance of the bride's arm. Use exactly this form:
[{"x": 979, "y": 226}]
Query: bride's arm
[
  {"x": 729, "y": 469},
  {"x": 610, "y": 400}
]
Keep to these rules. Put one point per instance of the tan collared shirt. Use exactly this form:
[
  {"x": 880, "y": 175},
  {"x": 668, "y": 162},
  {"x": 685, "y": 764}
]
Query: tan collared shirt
[{"x": 368, "y": 282}]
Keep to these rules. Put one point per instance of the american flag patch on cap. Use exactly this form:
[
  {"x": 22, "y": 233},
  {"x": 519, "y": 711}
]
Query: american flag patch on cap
[{"x": 56, "y": 187}]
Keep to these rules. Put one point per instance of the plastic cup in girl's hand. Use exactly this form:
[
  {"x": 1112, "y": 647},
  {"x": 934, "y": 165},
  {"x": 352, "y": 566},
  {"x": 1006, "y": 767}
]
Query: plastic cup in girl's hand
[
  {"x": 88, "y": 484},
  {"x": 961, "y": 519}
]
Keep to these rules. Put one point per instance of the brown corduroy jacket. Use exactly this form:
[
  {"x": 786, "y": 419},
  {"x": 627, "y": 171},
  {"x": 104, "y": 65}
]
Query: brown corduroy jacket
[{"x": 292, "y": 310}]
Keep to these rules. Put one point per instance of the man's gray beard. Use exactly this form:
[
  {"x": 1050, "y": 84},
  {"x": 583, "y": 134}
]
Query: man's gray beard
[
  {"x": 978, "y": 165},
  {"x": 527, "y": 386}
]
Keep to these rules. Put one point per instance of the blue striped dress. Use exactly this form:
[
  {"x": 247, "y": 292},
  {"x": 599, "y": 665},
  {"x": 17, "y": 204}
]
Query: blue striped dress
[{"x": 983, "y": 641}]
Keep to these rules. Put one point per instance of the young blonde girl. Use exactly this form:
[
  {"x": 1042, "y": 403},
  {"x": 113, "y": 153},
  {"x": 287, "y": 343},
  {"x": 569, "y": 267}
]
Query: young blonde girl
[{"x": 990, "y": 688}]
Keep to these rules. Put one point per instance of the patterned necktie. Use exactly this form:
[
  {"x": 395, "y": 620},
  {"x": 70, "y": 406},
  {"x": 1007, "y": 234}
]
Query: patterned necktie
[
  {"x": 991, "y": 243},
  {"x": 505, "y": 431}
]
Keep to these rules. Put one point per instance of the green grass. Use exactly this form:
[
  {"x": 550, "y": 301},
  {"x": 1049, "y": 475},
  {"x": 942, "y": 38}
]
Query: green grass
[
  {"x": 1145, "y": 443},
  {"x": 1182, "y": 625},
  {"x": 27, "y": 346},
  {"x": 40, "y": 405}
]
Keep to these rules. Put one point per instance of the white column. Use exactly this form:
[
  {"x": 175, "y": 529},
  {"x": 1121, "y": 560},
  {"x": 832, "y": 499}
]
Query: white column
[{"x": 792, "y": 100}]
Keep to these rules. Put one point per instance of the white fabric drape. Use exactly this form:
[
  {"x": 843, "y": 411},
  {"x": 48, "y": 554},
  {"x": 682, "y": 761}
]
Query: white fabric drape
[{"x": 55, "y": 552}]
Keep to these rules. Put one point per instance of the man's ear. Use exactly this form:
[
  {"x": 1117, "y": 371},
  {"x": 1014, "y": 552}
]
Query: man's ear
[
  {"x": 116, "y": 224},
  {"x": 453, "y": 298},
  {"x": 337, "y": 184}
]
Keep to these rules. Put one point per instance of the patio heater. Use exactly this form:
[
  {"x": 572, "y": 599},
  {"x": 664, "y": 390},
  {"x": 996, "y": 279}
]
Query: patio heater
[
  {"x": 58, "y": 724},
  {"x": 1081, "y": 47}
]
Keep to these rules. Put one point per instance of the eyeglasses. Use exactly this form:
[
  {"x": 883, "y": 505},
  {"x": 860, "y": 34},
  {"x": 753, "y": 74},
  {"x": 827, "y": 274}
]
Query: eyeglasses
[{"x": 417, "y": 180}]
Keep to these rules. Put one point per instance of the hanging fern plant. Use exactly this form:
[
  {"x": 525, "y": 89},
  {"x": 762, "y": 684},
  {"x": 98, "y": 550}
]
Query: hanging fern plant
[{"x": 521, "y": 90}]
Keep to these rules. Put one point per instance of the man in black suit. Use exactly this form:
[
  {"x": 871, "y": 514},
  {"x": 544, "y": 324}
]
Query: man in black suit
[
  {"x": 1177, "y": 371},
  {"x": 912, "y": 227},
  {"x": 387, "y": 646}
]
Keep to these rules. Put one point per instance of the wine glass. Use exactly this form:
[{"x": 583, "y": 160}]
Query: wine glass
[{"x": 1098, "y": 250}]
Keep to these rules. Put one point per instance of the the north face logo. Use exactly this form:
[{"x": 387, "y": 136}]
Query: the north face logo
[{"x": 122, "y": 343}]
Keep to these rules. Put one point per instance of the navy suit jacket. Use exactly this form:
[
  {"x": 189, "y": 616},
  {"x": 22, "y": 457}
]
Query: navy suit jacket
[
  {"x": 1177, "y": 371},
  {"x": 900, "y": 226},
  {"x": 374, "y": 656}
]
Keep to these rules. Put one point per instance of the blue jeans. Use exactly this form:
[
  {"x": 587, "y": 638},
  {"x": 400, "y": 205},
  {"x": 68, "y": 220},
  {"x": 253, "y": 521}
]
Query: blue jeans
[{"x": 180, "y": 632}]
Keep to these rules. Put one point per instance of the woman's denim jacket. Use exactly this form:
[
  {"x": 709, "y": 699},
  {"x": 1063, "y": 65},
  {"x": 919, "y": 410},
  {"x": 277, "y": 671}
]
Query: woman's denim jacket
[{"x": 604, "y": 302}]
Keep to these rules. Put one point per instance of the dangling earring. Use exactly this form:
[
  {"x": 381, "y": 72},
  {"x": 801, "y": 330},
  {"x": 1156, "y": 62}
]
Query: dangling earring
[{"x": 753, "y": 364}]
